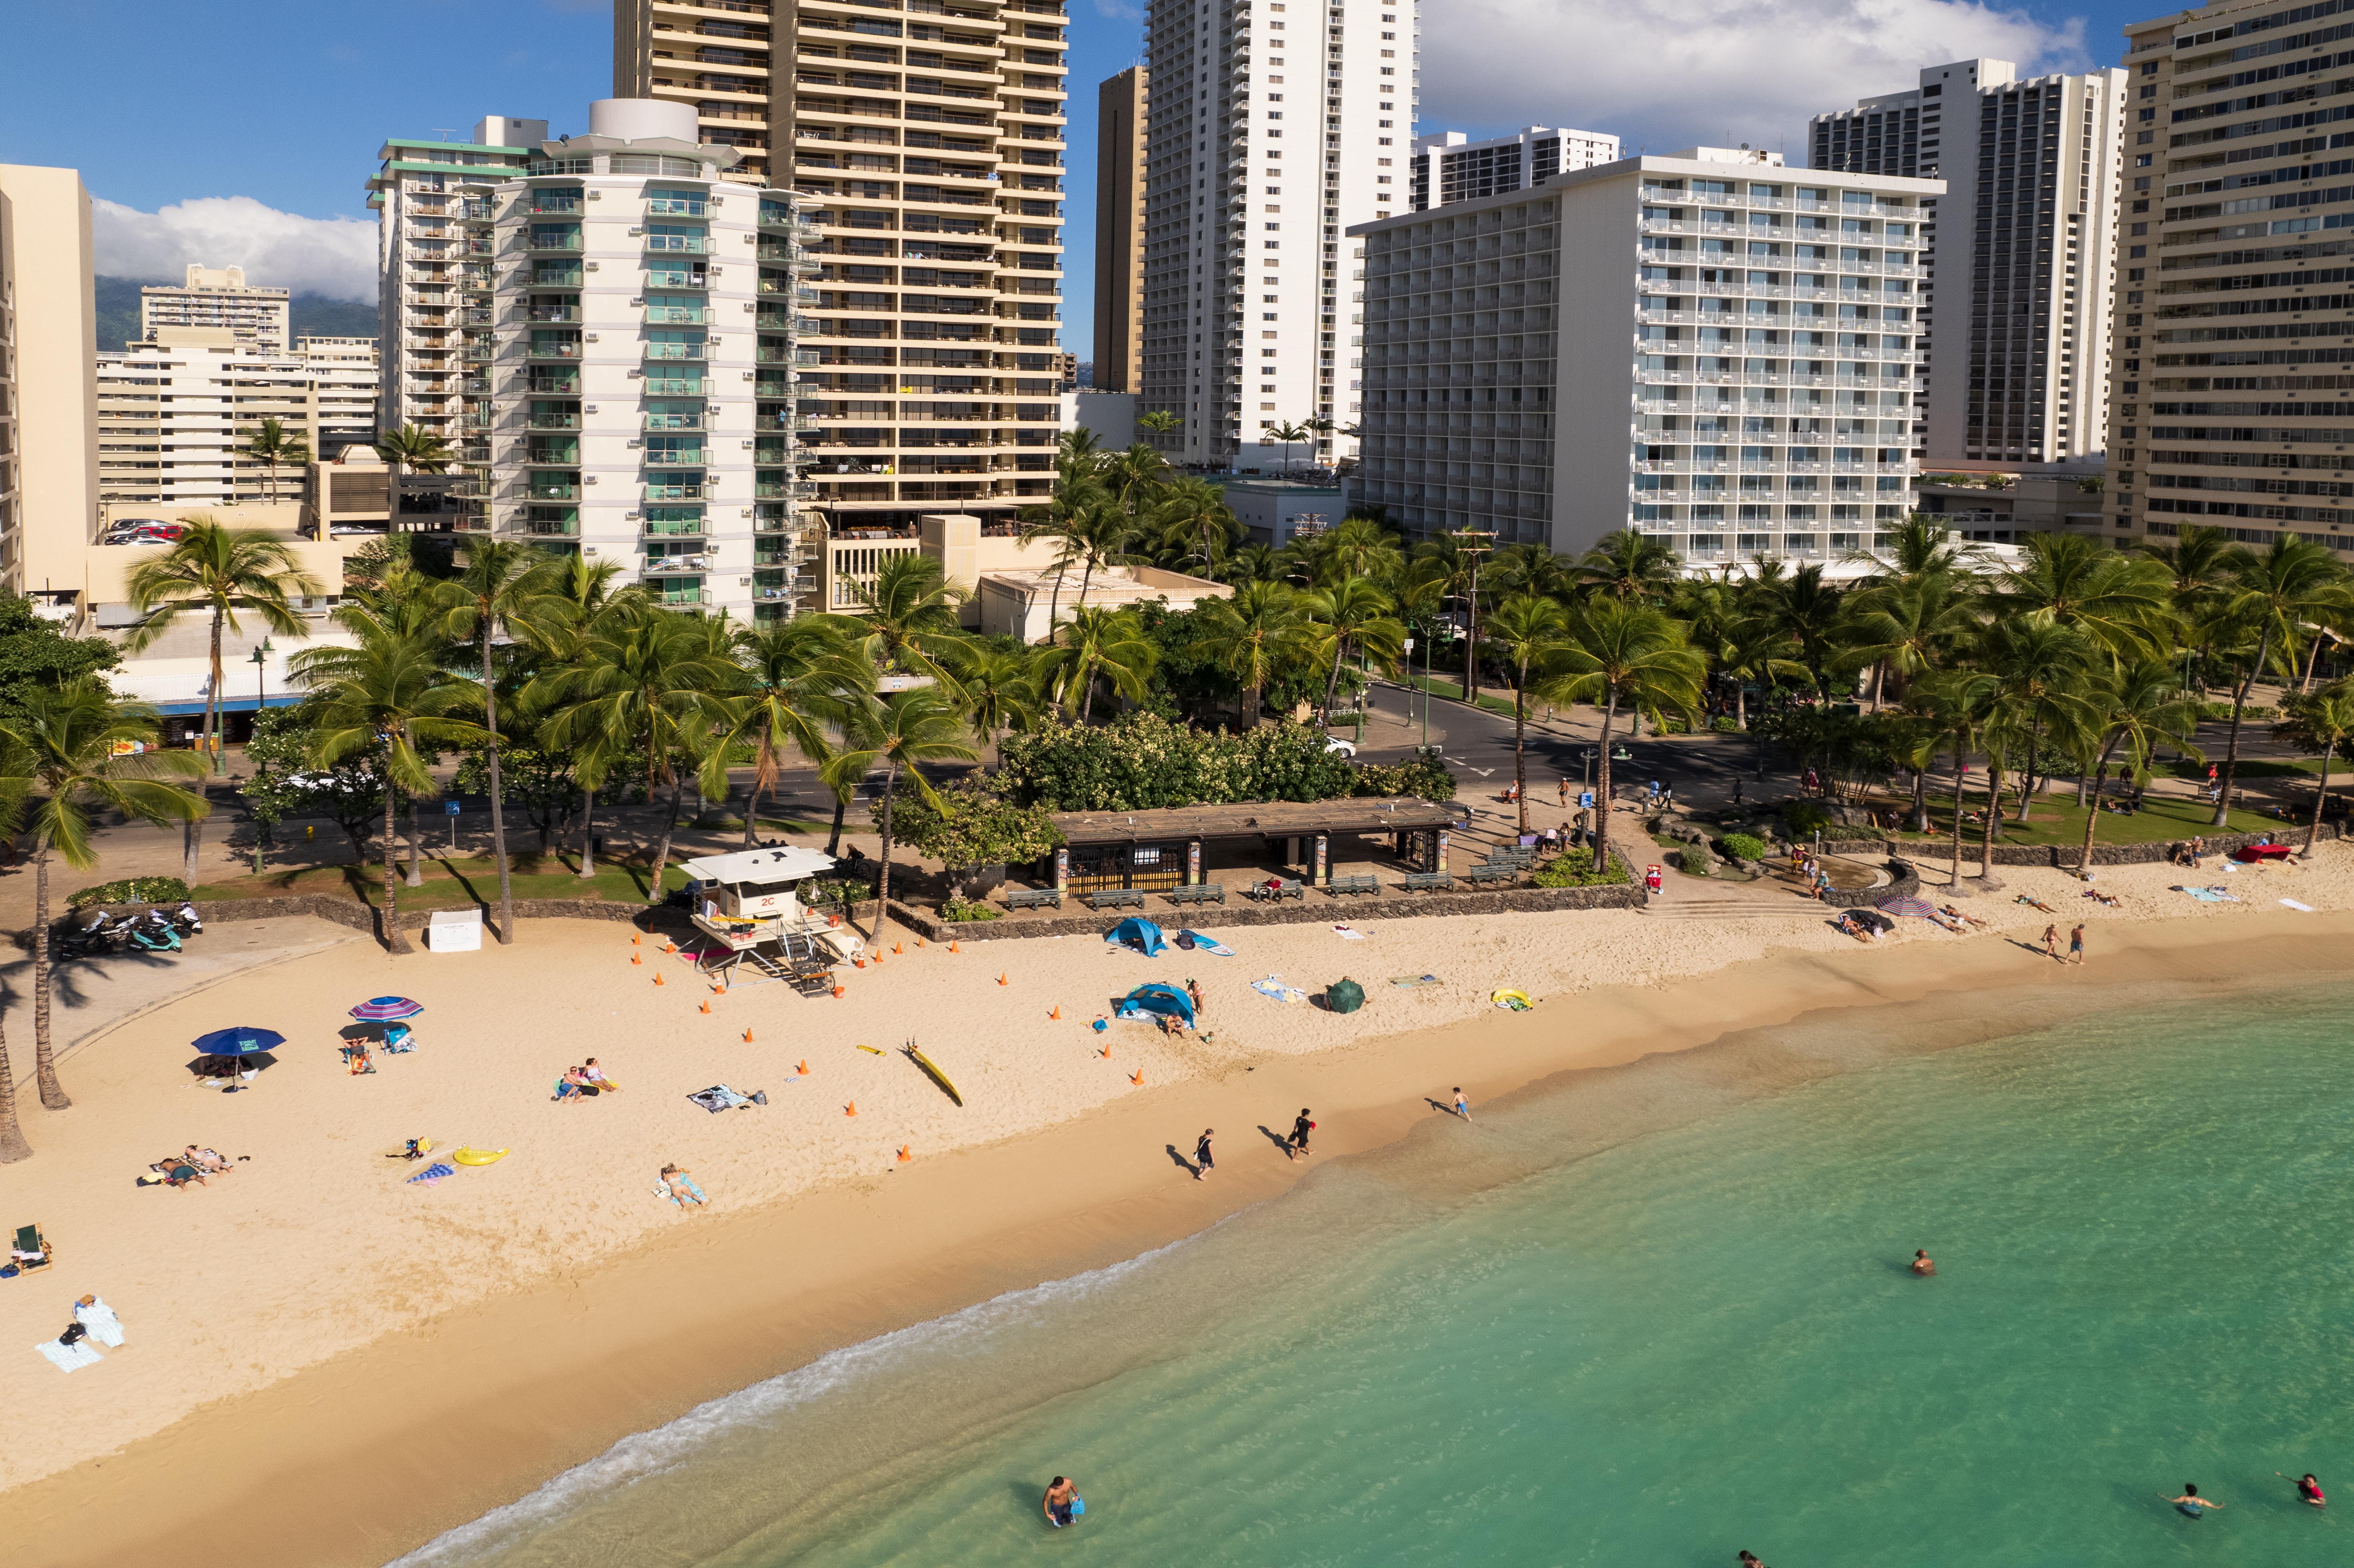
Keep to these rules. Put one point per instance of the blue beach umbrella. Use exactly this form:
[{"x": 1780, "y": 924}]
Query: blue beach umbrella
[
  {"x": 383, "y": 1008},
  {"x": 240, "y": 1042}
]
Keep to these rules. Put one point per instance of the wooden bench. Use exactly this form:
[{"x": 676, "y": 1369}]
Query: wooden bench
[
  {"x": 1510, "y": 854},
  {"x": 1115, "y": 898},
  {"x": 1284, "y": 887},
  {"x": 1207, "y": 892},
  {"x": 1032, "y": 898},
  {"x": 1428, "y": 881},
  {"x": 1340, "y": 884},
  {"x": 1479, "y": 875}
]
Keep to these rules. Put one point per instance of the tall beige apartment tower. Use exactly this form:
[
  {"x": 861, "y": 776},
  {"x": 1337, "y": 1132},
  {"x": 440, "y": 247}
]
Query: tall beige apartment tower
[
  {"x": 2233, "y": 351},
  {"x": 49, "y": 382},
  {"x": 926, "y": 141},
  {"x": 218, "y": 298},
  {"x": 1119, "y": 232}
]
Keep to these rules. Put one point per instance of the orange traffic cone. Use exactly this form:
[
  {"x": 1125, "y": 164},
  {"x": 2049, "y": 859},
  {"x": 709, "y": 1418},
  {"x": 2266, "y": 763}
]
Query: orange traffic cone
[
  {"x": 1137, "y": 1077},
  {"x": 658, "y": 979},
  {"x": 858, "y": 963},
  {"x": 637, "y": 958},
  {"x": 706, "y": 1006},
  {"x": 1001, "y": 980},
  {"x": 920, "y": 941},
  {"x": 669, "y": 946},
  {"x": 850, "y": 1110},
  {"x": 1054, "y": 1016},
  {"x": 953, "y": 947},
  {"x": 839, "y": 993},
  {"x": 803, "y": 1068},
  {"x": 904, "y": 1156},
  {"x": 747, "y": 1037},
  {"x": 1105, "y": 1052},
  {"x": 896, "y": 948},
  {"x": 635, "y": 940}
]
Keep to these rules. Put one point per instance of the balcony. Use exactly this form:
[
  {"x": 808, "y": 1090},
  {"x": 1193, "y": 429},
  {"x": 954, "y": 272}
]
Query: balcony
[
  {"x": 685, "y": 594},
  {"x": 676, "y": 457},
  {"x": 684, "y": 244},
  {"x": 677, "y": 315},
  {"x": 542, "y": 383},
  {"x": 544, "y": 276},
  {"x": 673, "y": 350},
  {"x": 671, "y": 387},
  {"x": 543, "y": 244},
  {"x": 553, "y": 422},
  {"x": 553, "y": 350},
  {"x": 674, "y": 421},
  {"x": 552, "y": 205},
  {"x": 653, "y": 528},
  {"x": 783, "y": 422},
  {"x": 541, "y": 488},
  {"x": 675, "y": 207},
  {"x": 772, "y": 491},
  {"x": 678, "y": 566},
  {"x": 674, "y": 492},
  {"x": 552, "y": 313}
]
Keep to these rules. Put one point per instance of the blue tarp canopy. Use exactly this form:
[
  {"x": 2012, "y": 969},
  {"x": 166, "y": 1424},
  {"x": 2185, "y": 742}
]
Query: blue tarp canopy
[
  {"x": 1141, "y": 935},
  {"x": 1158, "y": 996}
]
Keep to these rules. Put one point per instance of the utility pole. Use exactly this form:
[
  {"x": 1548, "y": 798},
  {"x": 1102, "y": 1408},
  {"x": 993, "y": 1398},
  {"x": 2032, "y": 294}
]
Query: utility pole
[{"x": 1474, "y": 543}]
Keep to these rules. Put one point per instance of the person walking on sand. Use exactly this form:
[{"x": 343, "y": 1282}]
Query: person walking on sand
[
  {"x": 1061, "y": 1501},
  {"x": 2052, "y": 943},
  {"x": 1193, "y": 993},
  {"x": 2076, "y": 943},
  {"x": 1203, "y": 1163},
  {"x": 1462, "y": 1106},
  {"x": 2190, "y": 1504},
  {"x": 1564, "y": 794},
  {"x": 1921, "y": 1265},
  {"x": 1300, "y": 1128}
]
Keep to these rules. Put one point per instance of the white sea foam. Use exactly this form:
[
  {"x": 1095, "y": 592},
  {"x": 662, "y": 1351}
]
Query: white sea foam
[{"x": 676, "y": 1442}]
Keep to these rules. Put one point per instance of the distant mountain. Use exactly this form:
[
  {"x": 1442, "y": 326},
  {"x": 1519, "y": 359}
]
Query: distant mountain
[{"x": 118, "y": 314}]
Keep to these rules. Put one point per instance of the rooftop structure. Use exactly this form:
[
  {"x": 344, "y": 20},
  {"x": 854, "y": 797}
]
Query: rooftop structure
[
  {"x": 218, "y": 299},
  {"x": 1450, "y": 166}
]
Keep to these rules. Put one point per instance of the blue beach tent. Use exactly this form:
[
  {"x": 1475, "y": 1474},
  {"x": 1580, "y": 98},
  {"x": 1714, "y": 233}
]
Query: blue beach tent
[
  {"x": 1158, "y": 996},
  {"x": 1141, "y": 935}
]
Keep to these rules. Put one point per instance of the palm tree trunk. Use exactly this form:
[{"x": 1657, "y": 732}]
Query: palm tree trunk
[
  {"x": 1086, "y": 680},
  {"x": 883, "y": 875},
  {"x": 1919, "y": 818},
  {"x": 1602, "y": 795},
  {"x": 13, "y": 1146},
  {"x": 1332, "y": 684},
  {"x": 1961, "y": 773},
  {"x": 393, "y": 940},
  {"x": 662, "y": 851},
  {"x": 1993, "y": 817},
  {"x": 415, "y": 876},
  {"x": 763, "y": 778},
  {"x": 2027, "y": 779},
  {"x": 1520, "y": 750},
  {"x": 2312, "y": 657},
  {"x": 498, "y": 806},
  {"x": 588, "y": 835},
  {"x": 45, "y": 1067},
  {"x": 2232, "y": 746},
  {"x": 2092, "y": 817},
  {"x": 1054, "y": 603},
  {"x": 2313, "y": 828},
  {"x": 841, "y": 810}
]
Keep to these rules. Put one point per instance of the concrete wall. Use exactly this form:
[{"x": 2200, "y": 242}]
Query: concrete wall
[{"x": 56, "y": 384}]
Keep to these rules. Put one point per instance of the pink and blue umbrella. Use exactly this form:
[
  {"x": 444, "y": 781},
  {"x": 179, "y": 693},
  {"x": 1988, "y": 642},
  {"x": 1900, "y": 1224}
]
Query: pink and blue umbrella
[
  {"x": 1916, "y": 907},
  {"x": 383, "y": 1009}
]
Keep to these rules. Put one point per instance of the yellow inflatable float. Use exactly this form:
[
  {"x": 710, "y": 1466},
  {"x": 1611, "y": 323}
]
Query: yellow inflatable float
[
  {"x": 1517, "y": 1001},
  {"x": 479, "y": 1156}
]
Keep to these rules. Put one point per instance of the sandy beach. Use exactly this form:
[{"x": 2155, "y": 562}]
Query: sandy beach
[{"x": 311, "y": 1328}]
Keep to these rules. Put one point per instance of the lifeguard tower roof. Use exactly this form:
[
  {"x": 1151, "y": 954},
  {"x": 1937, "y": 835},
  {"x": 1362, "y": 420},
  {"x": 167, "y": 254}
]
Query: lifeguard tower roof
[{"x": 759, "y": 866}]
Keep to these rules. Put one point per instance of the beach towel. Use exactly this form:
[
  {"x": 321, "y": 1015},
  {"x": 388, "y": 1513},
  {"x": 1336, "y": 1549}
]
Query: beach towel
[
  {"x": 1274, "y": 989},
  {"x": 719, "y": 1098},
  {"x": 2306, "y": 908},
  {"x": 2208, "y": 894},
  {"x": 1410, "y": 982},
  {"x": 69, "y": 1358},
  {"x": 682, "y": 1187},
  {"x": 1349, "y": 933},
  {"x": 432, "y": 1175},
  {"x": 100, "y": 1319},
  {"x": 1205, "y": 945}
]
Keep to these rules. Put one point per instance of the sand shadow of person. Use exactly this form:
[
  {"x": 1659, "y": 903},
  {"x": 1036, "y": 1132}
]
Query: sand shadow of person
[
  {"x": 1280, "y": 1139},
  {"x": 1438, "y": 1104},
  {"x": 1182, "y": 1164}
]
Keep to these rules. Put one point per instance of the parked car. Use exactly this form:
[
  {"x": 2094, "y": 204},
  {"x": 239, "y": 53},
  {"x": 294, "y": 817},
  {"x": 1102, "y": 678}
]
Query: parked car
[
  {"x": 1345, "y": 747},
  {"x": 142, "y": 531}
]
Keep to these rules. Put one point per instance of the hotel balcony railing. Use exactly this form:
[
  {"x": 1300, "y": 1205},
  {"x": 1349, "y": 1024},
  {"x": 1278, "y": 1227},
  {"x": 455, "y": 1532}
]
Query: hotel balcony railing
[
  {"x": 553, "y": 351},
  {"x": 687, "y": 244},
  {"x": 546, "y": 527},
  {"x": 677, "y": 315},
  {"x": 673, "y": 350},
  {"x": 552, "y": 204},
  {"x": 674, "y": 206},
  {"x": 552, "y": 313},
  {"x": 674, "y": 421},
  {"x": 672, "y": 387},
  {"x": 538, "y": 489},
  {"x": 554, "y": 278},
  {"x": 690, "y": 457},
  {"x": 679, "y": 598},
  {"x": 695, "y": 565},
  {"x": 545, "y": 384},
  {"x": 769, "y": 491},
  {"x": 673, "y": 492},
  {"x": 552, "y": 242},
  {"x": 783, "y": 422},
  {"x": 652, "y": 529},
  {"x": 553, "y": 422}
]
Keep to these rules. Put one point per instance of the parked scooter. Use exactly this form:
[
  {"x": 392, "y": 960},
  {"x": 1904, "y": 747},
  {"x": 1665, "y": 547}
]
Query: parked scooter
[
  {"x": 155, "y": 937},
  {"x": 188, "y": 922}
]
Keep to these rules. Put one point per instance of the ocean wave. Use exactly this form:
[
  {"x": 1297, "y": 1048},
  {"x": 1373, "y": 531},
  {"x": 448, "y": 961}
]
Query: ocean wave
[{"x": 665, "y": 1448}]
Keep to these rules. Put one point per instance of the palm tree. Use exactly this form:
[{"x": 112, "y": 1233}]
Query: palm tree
[
  {"x": 1355, "y": 615},
  {"x": 1288, "y": 433},
  {"x": 648, "y": 677},
  {"x": 907, "y": 727},
  {"x": 392, "y": 695},
  {"x": 1527, "y": 632},
  {"x": 413, "y": 447},
  {"x": 1961, "y": 703},
  {"x": 1079, "y": 488},
  {"x": 59, "y": 751},
  {"x": 2292, "y": 582},
  {"x": 2138, "y": 707},
  {"x": 2120, "y": 601},
  {"x": 582, "y": 595},
  {"x": 1099, "y": 642},
  {"x": 1616, "y": 651},
  {"x": 1811, "y": 616},
  {"x": 1319, "y": 426},
  {"x": 1253, "y": 564},
  {"x": 273, "y": 446},
  {"x": 226, "y": 572},
  {"x": 2044, "y": 670},
  {"x": 799, "y": 678},
  {"x": 1251, "y": 637},
  {"x": 1160, "y": 421},
  {"x": 910, "y": 615},
  {"x": 1910, "y": 627},
  {"x": 1100, "y": 535},
  {"x": 1194, "y": 523},
  {"x": 1630, "y": 566},
  {"x": 1918, "y": 548},
  {"x": 502, "y": 589},
  {"x": 1000, "y": 687},
  {"x": 1355, "y": 548},
  {"x": 2318, "y": 723},
  {"x": 1135, "y": 475}
]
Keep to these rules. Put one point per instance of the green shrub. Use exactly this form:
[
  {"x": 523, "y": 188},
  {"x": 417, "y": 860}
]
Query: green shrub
[
  {"x": 965, "y": 910},
  {"x": 1574, "y": 868},
  {"x": 1142, "y": 761},
  {"x": 1745, "y": 846},
  {"x": 2247, "y": 715},
  {"x": 1725, "y": 725},
  {"x": 1806, "y": 818},
  {"x": 841, "y": 890},
  {"x": 131, "y": 890},
  {"x": 1425, "y": 777}
]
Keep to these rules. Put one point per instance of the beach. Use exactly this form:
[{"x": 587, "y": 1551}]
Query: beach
[{"x": 422, "y": 1355}]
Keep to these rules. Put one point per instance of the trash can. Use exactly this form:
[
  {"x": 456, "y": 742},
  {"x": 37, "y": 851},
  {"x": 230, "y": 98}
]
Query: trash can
[{"x": 1345, "y": 996}]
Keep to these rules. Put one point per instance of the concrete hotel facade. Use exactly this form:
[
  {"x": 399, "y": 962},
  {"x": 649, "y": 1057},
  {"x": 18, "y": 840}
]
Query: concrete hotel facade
[
  {"x": 48, "y": 383},
  {"x": 218, "y": 298},
  {"x": 2234, "y": 349},
  {"x": 1450, "y": 166},
  {"x": 175, "y": 408},
  {"x": 1730, "y": 371},
  {"x": 432, "y": 201},
  {"x": 926, "y": 139},
  {"x": 642, "y": 385},
  {"x": 2022, "y": 268},
  {"x": 1119, "y": 231},
  {"x": 1245, "y": 282}
]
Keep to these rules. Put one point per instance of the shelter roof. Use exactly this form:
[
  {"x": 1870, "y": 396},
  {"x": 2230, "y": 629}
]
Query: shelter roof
[
  {"x": 790, "y": 863},
  {"x": 1265, "y": 818}
]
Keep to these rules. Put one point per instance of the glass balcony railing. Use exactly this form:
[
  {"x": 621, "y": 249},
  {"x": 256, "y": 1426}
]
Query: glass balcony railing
[
  {"x": 677, "y": 315},
  {"x": 673, "y": 492},
  {"x": 546, "y": 201},
  {"x": 542, "y": 488},
  {"x": 674, "y": 206},
  {"x": 654, "y": 528},
  {"x": 542, "y": 383},
  {"x": 553, "y": 422},
  {"x": 687, "y": 244},
  {"x": 552, "y": 242},
  {"x": 552, "y": 313},
  {"x": 674, "y": 351},
  {"x": 555, "y": 278},
  {"x": 555, "y": 350}
]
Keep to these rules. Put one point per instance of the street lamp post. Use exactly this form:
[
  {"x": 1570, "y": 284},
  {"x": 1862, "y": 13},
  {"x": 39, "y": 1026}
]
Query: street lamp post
[{"x": 260, "y": 682}]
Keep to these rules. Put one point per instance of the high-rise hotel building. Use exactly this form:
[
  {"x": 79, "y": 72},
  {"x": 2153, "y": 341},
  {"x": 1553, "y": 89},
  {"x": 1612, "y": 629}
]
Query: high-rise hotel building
[
  {"x": 1450, "y": 166},
  {"x": 926, "y": 138},
  {"x": 2020, "y": 252},
  {"x": 1272, "y": 125},
  {"x": 1707, "y": 347},
  {"x": 2234, "y": 355}
]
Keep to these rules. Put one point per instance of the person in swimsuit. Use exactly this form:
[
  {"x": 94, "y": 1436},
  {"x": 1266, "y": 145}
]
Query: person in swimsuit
[
  {"x": 1921, "y": 1264},
  {"x": 2052, "y": 943},
  {"x": 1462, "y": 1106},
  {"x": 2076, "y": 944},
  {"x": 1203, "y": 1163},
  {"x": 2308, "y": 1491},
  {"x": 1748, "y": 1558},
  {"x": 1061, "y": 1501},
  {"x": 1300, "y": 1128},
  {"x": 2190, "y": 1504}
]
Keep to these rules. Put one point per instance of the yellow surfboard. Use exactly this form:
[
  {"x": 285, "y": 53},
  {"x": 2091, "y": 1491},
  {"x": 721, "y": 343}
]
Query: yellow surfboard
[{"x": 932, "y": 1070}]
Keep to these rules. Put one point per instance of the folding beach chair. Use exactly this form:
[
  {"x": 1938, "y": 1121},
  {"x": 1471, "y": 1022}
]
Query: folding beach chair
[{"x": 29, "y": 1239}]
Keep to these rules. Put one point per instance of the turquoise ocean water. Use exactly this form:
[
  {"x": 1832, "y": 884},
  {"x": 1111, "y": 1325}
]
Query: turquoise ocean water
[{"x": 1641, "y": 1318}]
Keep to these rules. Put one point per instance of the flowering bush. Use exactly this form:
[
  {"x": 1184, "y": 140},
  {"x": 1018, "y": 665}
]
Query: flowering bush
[{"x": 1142, "y": 761}]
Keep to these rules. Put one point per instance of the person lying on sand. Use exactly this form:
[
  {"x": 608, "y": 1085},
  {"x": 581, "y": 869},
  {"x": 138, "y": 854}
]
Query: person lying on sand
[
  {"x": 2035, "y": 904},
  {"x": 206, "y": 1160},
  {"x": 680, "y": 1187},
  {"x": 1852, "y": 924},
  {"x": 1949, "y": 922},
  {"x": 594, "y": 1074},
  {"x": 173, "y": 1168},
  {"x": 2111, "y": 899},
  {"x": 1951, "y": 913}
]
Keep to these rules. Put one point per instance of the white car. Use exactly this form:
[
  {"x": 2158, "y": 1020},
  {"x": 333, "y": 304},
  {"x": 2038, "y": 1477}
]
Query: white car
[{"x": 1345, "y": 747}]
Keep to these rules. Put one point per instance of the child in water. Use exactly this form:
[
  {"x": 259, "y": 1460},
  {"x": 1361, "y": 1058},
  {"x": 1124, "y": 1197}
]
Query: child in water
[{"x": 2190, "y": 1503}]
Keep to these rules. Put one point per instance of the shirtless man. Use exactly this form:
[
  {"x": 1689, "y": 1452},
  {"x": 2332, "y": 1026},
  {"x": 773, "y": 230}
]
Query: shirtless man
[
  {"x": 1061, "y": 1501},
  {"x": 1921, "y": 1265}
]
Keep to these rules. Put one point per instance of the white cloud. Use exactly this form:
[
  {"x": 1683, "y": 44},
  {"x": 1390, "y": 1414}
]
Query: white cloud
[
  {"x": 1670, "y": 74},
  {"x": 330, "y": 256}
]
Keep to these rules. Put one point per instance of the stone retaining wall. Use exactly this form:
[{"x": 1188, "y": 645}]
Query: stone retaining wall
[
  {"x": 2062, "y": 857},
  {"x": 1903, "y": 882}
]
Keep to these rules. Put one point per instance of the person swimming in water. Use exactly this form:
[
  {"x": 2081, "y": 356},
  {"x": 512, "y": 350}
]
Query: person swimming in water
[
  {"x": 2190, "y": 1504},
  {"x": 2308, "y": 1491},
  {"x": 1921, "y": 1265},
  {"x": 1061, "y": 1501}
]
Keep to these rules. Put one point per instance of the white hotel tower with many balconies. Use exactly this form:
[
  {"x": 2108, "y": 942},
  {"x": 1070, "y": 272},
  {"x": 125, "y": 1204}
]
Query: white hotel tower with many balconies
[
  {"x": 1706, "y": 347},
  {"x": 644, "y": 364}
]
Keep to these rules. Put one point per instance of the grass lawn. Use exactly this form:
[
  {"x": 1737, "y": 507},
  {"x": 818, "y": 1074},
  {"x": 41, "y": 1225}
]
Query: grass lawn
[
  {"x": 456, "y": 884},
  {"x": 2248, "y": 768},
  {"x": 1453, "y": 692},
  {"x": 2057, "y": 821}
]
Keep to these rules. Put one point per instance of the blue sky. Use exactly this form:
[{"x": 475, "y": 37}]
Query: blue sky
[{"x": 243, "y": 133}]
